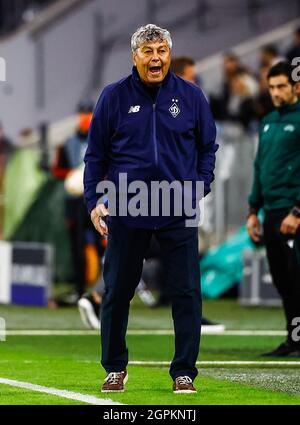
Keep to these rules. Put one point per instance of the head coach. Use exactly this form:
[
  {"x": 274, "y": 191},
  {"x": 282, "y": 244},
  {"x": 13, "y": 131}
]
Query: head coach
[{"x": 149, "y": 126}]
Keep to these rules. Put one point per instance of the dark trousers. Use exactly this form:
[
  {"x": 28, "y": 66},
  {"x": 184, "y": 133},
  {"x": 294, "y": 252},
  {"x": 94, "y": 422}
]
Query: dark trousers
[
  {"x": 122, "y": 270},
  {"x": 283, "y": 265}
]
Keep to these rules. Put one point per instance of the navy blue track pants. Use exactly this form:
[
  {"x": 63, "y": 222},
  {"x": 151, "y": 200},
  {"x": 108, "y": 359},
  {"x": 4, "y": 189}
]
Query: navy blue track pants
[{"x": 124, "y": 258}]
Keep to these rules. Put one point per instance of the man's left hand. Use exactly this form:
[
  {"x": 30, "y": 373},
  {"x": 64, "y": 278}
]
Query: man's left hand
[{"x": 290, "y": 225}]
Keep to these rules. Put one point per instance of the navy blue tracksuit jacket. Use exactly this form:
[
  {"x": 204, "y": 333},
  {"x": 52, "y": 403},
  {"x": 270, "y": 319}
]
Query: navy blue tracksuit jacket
[{"x": 170, "y": 139}]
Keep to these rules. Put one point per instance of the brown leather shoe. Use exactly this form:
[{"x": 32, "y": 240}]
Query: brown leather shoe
[
  {"x": 183, "y": 385},
  {"x": 115, "y": 382}
]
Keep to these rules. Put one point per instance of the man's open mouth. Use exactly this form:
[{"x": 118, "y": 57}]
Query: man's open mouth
[{"x": 155, "y": 70}]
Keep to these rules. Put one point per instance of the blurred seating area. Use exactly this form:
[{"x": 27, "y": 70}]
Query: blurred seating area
[
  {"x": 243, "y": 96},
  {"x": 241, "y": 93},
  {"x": 14, "y": 13}
]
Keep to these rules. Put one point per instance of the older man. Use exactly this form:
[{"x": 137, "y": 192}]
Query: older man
[{"x": 149, "y": 126}]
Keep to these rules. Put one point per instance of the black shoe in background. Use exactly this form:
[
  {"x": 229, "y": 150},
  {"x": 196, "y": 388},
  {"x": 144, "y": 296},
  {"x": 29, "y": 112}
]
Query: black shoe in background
[
  {"x": 207, "y": 326},
  {"x": 208, "y": 322},
  {"x": 285, "y": 349},
  {"x": 294, "y": 353}
]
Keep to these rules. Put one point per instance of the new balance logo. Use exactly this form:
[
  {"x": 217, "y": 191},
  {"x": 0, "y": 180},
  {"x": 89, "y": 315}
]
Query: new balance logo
[{"x": 135, "y": 108}]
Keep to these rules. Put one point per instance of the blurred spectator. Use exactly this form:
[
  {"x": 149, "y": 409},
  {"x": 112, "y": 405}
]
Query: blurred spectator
[
  {"x": 240, "y": 107},
  {"x": 184, "y": 66},
  {"x": 85, "y": 241},
  {"x": 269, "y": 56},
  {"x": 6, "y": 150},
  {"x": 219, "y": 102},
  {"x": 294, "y": 50},
  {"x": 263, "y": 103},
  {"x": 231, "y": 65},
  {"x": 235, "y": 101}
]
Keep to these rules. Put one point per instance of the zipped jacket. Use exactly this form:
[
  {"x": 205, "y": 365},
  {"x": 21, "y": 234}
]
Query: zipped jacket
[
  {"x": 276, "y": 181},
  {"x": 170, "y": 139}
]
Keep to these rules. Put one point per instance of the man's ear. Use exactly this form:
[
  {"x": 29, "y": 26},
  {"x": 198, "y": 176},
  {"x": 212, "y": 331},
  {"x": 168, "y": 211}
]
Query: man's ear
[
  {"x": 297, "y": 89},
  {"x": 133, "y": 59}
]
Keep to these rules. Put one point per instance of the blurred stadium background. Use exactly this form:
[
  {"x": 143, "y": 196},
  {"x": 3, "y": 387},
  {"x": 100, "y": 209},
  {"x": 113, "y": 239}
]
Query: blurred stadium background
[{"x": 58, "y": 56}]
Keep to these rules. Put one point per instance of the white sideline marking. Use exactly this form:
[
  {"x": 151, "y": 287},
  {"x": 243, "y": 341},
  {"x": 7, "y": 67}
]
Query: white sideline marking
[
  {"x": 141, "y": 332},
  {"x": 49, "y": 332},
  {"x": 219, "y": 363},
  {"x": 167, "y": 363},
  {"x": 60, "y": 393}
]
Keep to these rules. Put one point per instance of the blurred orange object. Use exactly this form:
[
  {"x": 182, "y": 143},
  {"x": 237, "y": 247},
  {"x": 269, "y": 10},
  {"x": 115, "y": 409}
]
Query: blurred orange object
[
  {"x": 92, "y": 269},
  {"x": 85, "y": 119}
]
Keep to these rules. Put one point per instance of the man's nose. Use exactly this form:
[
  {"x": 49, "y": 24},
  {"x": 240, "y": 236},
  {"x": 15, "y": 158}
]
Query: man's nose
[{"x": 155, "y": 56}]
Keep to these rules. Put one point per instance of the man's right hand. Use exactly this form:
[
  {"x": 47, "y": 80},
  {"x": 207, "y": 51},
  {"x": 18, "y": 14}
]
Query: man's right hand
[
  {"x": 97, "y": 215},
  {"x": 254, "y": 228}
]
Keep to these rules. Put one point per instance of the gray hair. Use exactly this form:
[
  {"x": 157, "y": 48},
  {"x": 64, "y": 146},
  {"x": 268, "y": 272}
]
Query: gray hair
[{"x": 149, "y": 32}]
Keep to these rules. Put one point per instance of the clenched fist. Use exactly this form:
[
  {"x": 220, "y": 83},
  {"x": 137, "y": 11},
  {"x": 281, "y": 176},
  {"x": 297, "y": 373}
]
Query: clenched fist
[
  {"x": 98, "y": 215},
  {"x": 254, "y": 228},
  {"x": 290, "y": 225}
]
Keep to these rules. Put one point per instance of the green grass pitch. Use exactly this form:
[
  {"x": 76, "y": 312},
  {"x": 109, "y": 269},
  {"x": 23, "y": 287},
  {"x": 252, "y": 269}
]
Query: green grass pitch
[{"x": 71, "y": 362}]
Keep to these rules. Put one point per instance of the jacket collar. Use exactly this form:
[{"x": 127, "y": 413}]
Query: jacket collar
[
  {"x": 137, "y": 80},
  {"x": 289, "y": 108}
]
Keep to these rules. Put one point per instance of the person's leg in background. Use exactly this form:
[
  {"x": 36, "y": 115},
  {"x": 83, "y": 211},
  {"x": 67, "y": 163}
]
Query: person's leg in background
[
  {"x": 122, "y": 271},
  {"x": 180, "y": 252},
  {"x": 154, "y": 272},
  {"x": 285, "y": 274},
  {"x": 89, "y": 304},
  {"x": 76, "y": 231}
]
